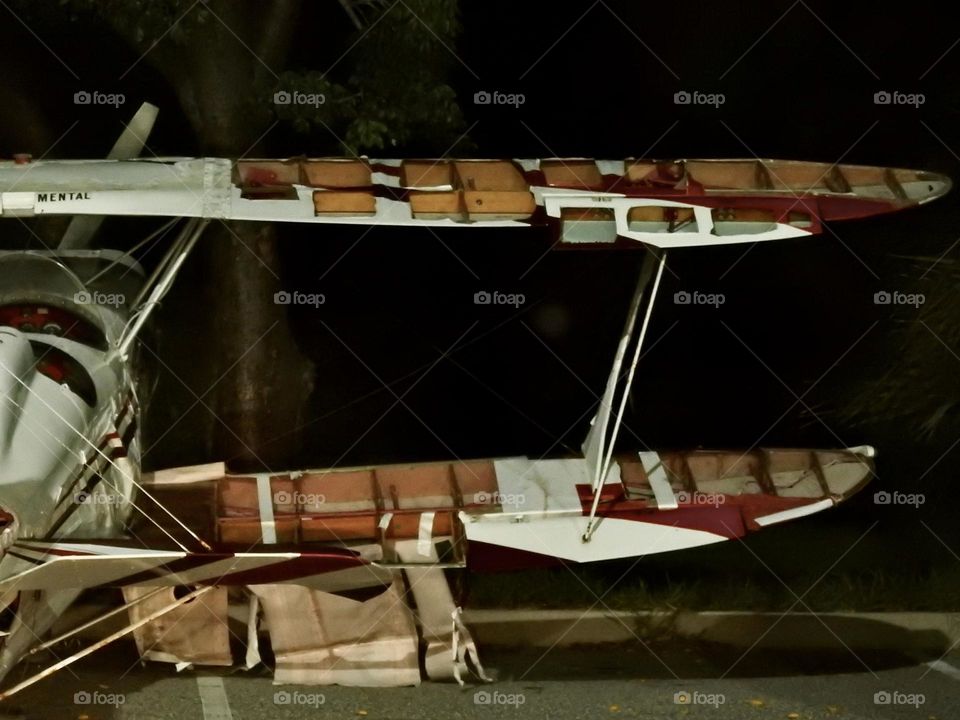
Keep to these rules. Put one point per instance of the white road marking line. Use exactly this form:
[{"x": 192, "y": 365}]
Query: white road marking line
[
  {"x": 213, "y": 698},
  {"x": 944, "y": 667}
]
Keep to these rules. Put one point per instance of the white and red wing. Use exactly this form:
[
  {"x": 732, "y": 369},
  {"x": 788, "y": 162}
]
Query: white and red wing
[{"x": 681, "y": 203}]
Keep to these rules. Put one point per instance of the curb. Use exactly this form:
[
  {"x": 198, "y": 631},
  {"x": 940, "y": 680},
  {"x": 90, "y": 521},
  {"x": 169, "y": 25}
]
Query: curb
[{"x": 921, "y": 631}]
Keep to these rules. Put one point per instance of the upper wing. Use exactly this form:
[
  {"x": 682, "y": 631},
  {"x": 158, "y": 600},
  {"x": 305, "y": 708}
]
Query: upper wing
[{"x": 675, "y": 204}]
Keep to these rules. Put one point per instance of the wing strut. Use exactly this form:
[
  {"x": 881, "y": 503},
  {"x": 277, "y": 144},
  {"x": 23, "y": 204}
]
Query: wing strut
[
  {"x": 600, "y": 441},
  {"x": 105, "y": 641},
  {"x": 158, "y": 284},
  {"x": 95, "y": 621}
]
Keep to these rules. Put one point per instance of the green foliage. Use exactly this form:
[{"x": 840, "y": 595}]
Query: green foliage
[
  {"x": 393, "y": 90},
  {"x": 145, "y": 22},
  {"x": 387, "y": 90},
  {"x": 919, "y": 389}
]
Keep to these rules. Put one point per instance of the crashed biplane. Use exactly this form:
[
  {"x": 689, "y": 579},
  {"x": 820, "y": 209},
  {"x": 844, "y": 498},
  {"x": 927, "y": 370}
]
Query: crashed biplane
[{"x": 320, "y": 545}]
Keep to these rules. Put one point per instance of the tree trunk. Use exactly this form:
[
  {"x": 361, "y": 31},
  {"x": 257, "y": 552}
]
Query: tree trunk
[
  {"x": 261, "y": 400},
  {"x": 266, "y": 378}
]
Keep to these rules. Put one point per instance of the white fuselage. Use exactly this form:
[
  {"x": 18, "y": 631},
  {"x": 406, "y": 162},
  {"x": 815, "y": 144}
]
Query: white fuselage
[{"x": 69, "y": 445}]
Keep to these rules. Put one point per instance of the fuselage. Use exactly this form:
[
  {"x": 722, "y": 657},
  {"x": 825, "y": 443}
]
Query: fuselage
[{"x": 69, "y": 448}]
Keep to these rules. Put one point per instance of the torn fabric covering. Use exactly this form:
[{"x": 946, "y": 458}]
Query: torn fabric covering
[
  {"x": 320, "y": 638},
  {"x": 449, "y": 644},
  {"x": 252, "y": 657},
  {"x": 194, "y": 633},
  {"x": 324, "y": 639}
]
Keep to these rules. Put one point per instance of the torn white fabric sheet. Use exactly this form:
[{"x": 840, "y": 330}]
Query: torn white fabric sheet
[
  {"x": 252, "y": 657},
  {"x": 464, "y": 650},
  {"x": 195, "y": 633},
  {"x": 448, "y": 645},
  {"x": 324, "y": 639}
]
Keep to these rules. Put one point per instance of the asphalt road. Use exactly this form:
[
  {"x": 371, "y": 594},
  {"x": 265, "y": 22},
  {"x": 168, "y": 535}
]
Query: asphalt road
[{"x": 612, "y": 682}]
